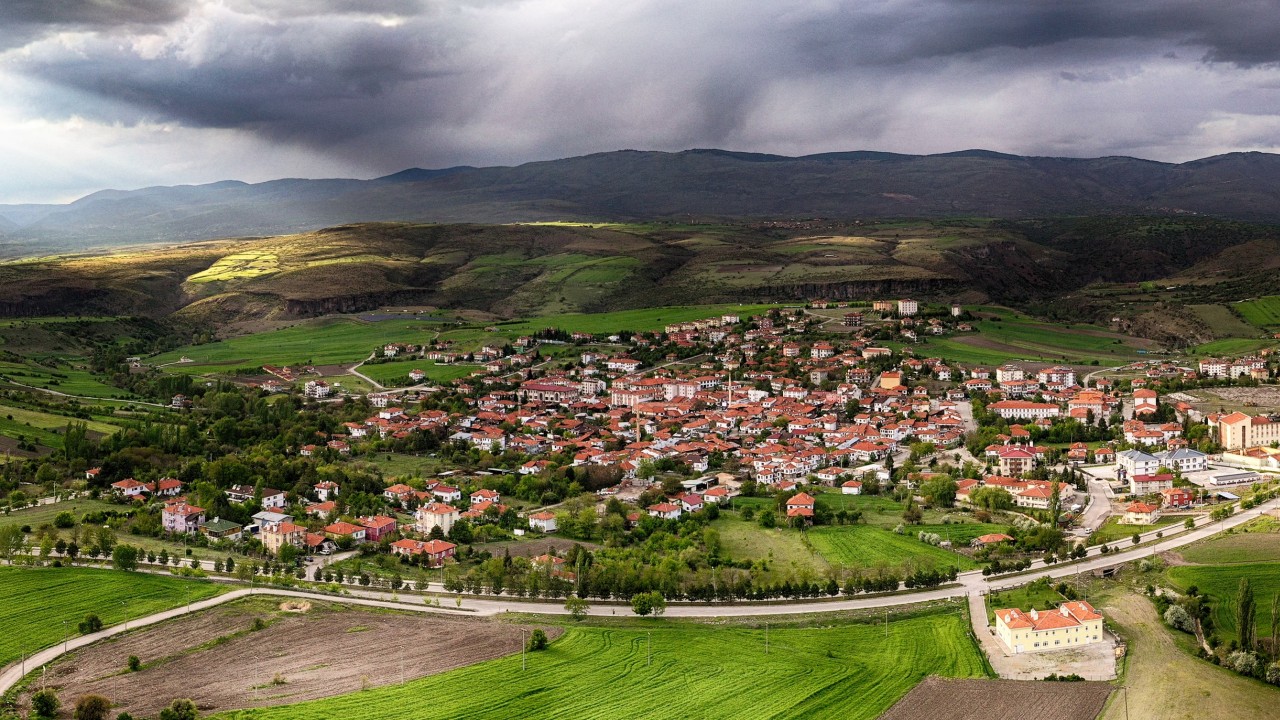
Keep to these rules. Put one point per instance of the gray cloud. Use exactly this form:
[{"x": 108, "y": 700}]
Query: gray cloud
[{"x": 389, "y": 83}]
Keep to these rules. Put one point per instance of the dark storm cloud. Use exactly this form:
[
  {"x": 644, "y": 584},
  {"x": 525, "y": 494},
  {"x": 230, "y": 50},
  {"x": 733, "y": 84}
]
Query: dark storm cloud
[
  {"x": 391, "y": 82},
  {"x": 25, "y": 20}
]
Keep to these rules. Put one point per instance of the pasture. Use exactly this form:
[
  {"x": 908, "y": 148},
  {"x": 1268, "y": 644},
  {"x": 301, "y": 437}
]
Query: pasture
[
  {"x": 1232, "y": 346},
  {"x": 396, "y": 372},
  {"x": 860, "y": 546},
  {"x": 1223, "y": 322},
  {"x": 667, "y": 669},
  {"x": 1004, "y": 335},
  {"x": 1259, "y": 541},
  {"x": 44, "y": 428},
  {"x": 35, "y": 602}
]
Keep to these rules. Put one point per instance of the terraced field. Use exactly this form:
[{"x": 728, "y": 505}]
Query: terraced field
[
  {"x": 34, "y": 602},
  {"x": 696, "y": 671}
]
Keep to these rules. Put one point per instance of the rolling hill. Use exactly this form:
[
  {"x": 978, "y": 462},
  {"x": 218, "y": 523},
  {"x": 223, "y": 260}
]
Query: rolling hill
[{"x": 641, "y": 186}]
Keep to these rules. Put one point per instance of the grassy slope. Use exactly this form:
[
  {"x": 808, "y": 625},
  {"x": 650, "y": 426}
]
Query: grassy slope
[
  {"x": 34, "y": 602},
  {"x": 1165, "y": 681},
  {"x": 1263, "y": 312},
  {"x": 869, "y": 547},
  {"x": 398, "y": 370},
  {"x": 847, "y": 671}
]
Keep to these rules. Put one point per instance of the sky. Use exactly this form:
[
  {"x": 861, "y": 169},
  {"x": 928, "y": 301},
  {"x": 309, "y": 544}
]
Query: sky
[{"x": 123, "y": 94}]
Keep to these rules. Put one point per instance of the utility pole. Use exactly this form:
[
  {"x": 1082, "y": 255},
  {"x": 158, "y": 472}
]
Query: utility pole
[
  {"x": 125, "y": 606},
  {"x": 64, "y": 636},
  {"x": 1126, "y": 701},
  {"x": 886, "y": 622},
  {"x": 524, "y": 646},
  {"x": 648, "y": 648},
  {"x": 766, "y": 638}
]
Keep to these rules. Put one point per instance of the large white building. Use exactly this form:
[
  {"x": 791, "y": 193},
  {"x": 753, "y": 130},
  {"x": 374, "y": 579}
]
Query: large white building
[
  {"x": 1071, "y": 625},
  {"x": 1136, "y": 462},
  {"x": 1009, "y": 409}
]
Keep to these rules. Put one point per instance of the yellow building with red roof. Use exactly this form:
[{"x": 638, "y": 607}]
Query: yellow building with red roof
[{"x": 1071, "y": 625}]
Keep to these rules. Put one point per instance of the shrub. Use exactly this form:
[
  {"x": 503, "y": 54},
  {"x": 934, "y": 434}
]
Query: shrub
[
  {"x": 135, "y": 663},
  {"x": 1177, "y": 617},
  {"x": 91, "y": 624},
  {"x": 1244, "y": 662},
  {"x": 45, "y": 703},
  {"x": 92, "y": 707},
  {"x": 180, "y": 710},
  {"x": 65, "y": 520}
]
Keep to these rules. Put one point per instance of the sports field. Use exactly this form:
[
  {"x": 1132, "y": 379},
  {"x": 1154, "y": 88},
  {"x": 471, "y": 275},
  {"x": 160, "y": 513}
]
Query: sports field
[
  {"x": 34, "y": 602},
  {"x": 681, "y": 670}
]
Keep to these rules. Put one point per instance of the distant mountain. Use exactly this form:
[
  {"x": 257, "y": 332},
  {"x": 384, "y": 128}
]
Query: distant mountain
[{"x": 694, "y": 184}]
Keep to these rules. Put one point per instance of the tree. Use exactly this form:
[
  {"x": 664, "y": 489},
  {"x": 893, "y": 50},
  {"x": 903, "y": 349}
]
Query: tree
[
  {"x": 180, "y": 710},
  {"x": 537, "y": 641},
  {"x": 45, "y": 703},
  {"x": 648, "y": 603},
  {"x": 576, "y": 606},
  {"x": 1245, "y": 620},
  {"x": 65, "y": 520},
  {"x": 125, "y": 557},
  {"x": 92, "y": 707},
  {"x": 11, "y": 541},
  {"x": 940, "y": 491},
  {"x": 91, "y": 624}
]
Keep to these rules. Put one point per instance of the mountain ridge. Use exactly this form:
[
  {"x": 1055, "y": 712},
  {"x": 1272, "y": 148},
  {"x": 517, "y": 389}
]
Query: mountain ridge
[{"x": 629, "y": 185}]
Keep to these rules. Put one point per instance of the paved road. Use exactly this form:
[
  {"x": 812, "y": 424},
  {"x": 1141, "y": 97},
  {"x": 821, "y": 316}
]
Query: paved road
[
  {"x": 969, "y": 584},
  {"x": 1099, "y": 504}
]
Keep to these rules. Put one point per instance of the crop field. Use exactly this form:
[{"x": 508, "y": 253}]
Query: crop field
[
  {"x": 878, "y": 510},
  {"x": 64, "y": 380},
  {"x": 848, "y": 671},
  {"x": 1232, "y": 346},
  {"x": 1006, "y": 335},
  {"x": 239, "y": 266},
  {"x": 1221, "y": 584},
  {"x": 34, "y": 602},
  {"x": 859, "y": 546},
  {"x": 1263, "y": 312},
  {"x": 985, "y": 699}
]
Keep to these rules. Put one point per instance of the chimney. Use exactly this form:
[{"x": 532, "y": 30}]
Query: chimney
[
  {"x": 1064, "y": 612},
  {"x": 1035, "y": 614}
]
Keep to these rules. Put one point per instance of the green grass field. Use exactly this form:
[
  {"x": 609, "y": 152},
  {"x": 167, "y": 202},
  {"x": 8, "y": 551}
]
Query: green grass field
[
  {"x": 1259, "y": 542},
  {"x": 1223, "y": 322},
  {"x": 1112, "y": 531},
  {"x": 1221, "y": 584},
  {"x": 1038, "y": 595},
  {"x": 398, "y": 370},
  {"x": 784, "y": 549},
  {"x": 1232, "y": 346},
  {"x": 697, "y": 671},
  {"x": 1009, "y": 335},
  {"x": 43, "y": 428},
  {"x": 1263, "y": 312},
  {"x": 330, "y": 341},
  {"x": 34, "y": 602},
  {"x": 64, "y": 380},
  {"x": 860, "y": 546},
  {"x": 44, "y": 514}
]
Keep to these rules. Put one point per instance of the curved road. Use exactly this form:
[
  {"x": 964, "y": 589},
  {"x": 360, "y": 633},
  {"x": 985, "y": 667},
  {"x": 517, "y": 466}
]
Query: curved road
[{"x": 968, "y": 584}]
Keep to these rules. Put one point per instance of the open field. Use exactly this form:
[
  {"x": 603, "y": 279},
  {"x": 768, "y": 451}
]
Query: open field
[
  {"x": 1222, "y": 584},
  {"x": 1232, "y": 346},
  {"x": 1004, "y": 335},
  {"x": 337, "y": 340},
  {"x": 860, "y": 546},
  {"x": 66, "y": 380},
  {"x": 783, "y": 549},
  {"x": 1259, "y": 542},
  {"x": 350, "y": 649},
  {"x": 1001, "y": 700},
  {"x": 35, "y": 602},
  {"x": 43, "y": 514},
  {"x": 397, "y": 372},
  {"x": 841, "y": 670},
  {"x": 1263, "y": 312},
  {"x": 44, "y": 428},
  {"x": 1112, "y": 531},
  {"x": 1223, "y": 321},
  {"x": 1164, "y": 679}
]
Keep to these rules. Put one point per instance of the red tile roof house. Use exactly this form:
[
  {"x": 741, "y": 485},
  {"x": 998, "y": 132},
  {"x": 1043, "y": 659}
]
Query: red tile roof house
[
  {"x": 665, "y": 511},
  {"x": 800, "y": 505},
  {"x": 345, "y": 529},
  {"x": 378, "y": 527},
  {"x": 544, "y": 521},
  {"x": 992, "y": 539},
  {"x": 182, "y": 518},
  {"x": 436, "y": 551},
  {"x": 129, "y": 488}
]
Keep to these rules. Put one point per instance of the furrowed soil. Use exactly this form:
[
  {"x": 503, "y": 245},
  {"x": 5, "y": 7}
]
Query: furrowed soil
[
  {"x": 217, "y": 660},
  {"x": 951, "y": 699}
]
